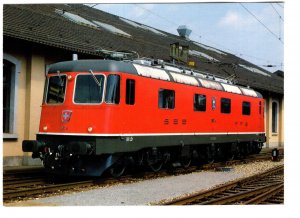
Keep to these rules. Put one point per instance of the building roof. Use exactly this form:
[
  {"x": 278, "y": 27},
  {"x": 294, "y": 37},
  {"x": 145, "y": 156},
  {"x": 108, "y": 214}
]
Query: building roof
[
  {"x": 279, "y": 73},
  {"x": 83, "y": 29}
]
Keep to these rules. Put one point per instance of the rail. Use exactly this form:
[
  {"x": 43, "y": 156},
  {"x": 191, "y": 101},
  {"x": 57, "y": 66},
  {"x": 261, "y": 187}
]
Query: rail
[{"x": 251, "y": 190}]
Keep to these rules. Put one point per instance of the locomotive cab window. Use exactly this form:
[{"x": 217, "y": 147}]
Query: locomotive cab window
[
  {"x": 89, "y": 89},
  {"x": 199, "y": 102},
  {"x": 56, "y": 89},
  {"x": 166, "y": 99},
  {"x": 112, "y": 95},
  {"x": 246, "y": 108},
  {"x": 225, "y": 105},
  {"x": 130, "y": 91}
]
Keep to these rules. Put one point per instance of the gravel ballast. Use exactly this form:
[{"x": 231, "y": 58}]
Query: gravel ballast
[{"x": 151, "y": 191}]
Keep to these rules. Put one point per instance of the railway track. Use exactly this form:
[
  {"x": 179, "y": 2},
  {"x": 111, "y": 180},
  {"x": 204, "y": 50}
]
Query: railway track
[
  {"x": 27, "y": 184},
  {"x": 263, "y": 188},
  {"x": 26, "y": 187}
]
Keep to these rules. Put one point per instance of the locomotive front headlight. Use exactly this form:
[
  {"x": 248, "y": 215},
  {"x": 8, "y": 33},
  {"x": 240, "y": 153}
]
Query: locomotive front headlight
[
  {"x": 90, "y": 129},
  {"x": 45, "y": 128},
  {"x": 70, "y": 77}
]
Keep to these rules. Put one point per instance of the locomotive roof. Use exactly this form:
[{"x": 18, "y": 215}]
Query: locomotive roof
[
  {"x": 94, "y": 65},
  {"x": 53, "y": 25},
  {"x": 188, "y": 78}
]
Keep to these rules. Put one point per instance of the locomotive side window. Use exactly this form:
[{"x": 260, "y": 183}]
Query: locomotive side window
[
  {"x": 130, "y": 91},
  {"x": 166, "y": 99},
  {"x": 246, "y": 108},
  {"x": 225, "y": 105},
  {"x": 199, "y": 102},
  {"x": 56, "y": 89},
  {"x": 112, "y": 95},
  {"x": 87, "y": 90}
]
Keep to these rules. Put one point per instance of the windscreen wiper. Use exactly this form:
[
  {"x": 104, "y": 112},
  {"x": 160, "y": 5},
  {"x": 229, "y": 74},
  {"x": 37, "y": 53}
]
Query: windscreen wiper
[{"x": 95, "y": 78}]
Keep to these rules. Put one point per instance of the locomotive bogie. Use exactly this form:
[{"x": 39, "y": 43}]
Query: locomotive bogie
[
  {"x": 109, "y": 145},
  {"x": 78, "y": 156}
]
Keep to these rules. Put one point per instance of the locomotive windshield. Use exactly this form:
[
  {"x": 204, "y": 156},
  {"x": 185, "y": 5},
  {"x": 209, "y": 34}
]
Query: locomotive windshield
[
  {"x": 88, "y": 90},
  {"x": 56, "y": 89}
]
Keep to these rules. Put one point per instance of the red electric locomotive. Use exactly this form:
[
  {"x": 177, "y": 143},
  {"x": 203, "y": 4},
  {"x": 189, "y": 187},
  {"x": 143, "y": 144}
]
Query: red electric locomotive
[{"x": 100, "y": 115}]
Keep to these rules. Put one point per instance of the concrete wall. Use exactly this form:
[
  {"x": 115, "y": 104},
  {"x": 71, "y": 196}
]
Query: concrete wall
[
  {"x": 11, "y": 146},
  {"x": 30, "y": 83}
]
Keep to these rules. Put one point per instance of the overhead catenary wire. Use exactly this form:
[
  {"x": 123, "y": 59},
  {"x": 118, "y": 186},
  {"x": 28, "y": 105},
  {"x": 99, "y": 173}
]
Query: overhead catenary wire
[
  {"x": 233, "y": 52},
  {"x": 256, "y": 18},
  {"x": 151, "y": 12},
  {"x": 279, "y": 5},
  {"x": 280, "y": 17},
  {"x": 176, "y": 25},
  {"x": 173, "y": 23},
  {"x": 217, "y": 44}
]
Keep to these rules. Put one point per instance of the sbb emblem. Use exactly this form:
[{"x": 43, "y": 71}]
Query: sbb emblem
[{"x": 66, "y": 116}]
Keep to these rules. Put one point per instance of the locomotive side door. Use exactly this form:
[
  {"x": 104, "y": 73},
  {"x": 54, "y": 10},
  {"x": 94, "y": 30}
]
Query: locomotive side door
[
  {"x": 213, "y": 111},
  {"x": 261, "y": 112},
  {"x": 129, "y": 95}
]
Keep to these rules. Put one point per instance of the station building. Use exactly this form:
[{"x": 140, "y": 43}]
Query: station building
[{"x": 35, "y": 36}]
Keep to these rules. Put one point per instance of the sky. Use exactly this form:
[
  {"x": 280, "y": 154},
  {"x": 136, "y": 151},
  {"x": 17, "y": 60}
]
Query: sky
[{"x": 252, "y": 31}]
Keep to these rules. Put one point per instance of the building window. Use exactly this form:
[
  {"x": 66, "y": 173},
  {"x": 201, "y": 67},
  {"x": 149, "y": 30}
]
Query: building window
[
  {"x": 166, "y": 99},
  {"x": 199, "y": 102},
  {"x": 130, "y": 91},
  {"x": 112, "y": 95},
  {"x": 275, "y": 110},
  {"x": 225, "y": 105},
  {"x": 11, "y": 68},
  {"x": 7, "y": 80},
  {"x": 246, "y": 108}
]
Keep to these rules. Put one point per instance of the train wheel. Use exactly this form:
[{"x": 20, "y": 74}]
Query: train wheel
[
  {"x": 242, "y": 152},
  {"x": 210, "y": 154},
  {"x": 154, "y": 161},
  {"x": 230, "y": 156},
  {"x": 230, "y": 152},
  {"x": 139, "y": 158},
  {"x": 155, "y": 167},
  {"x": 118, "y": 168},
  {"x": 210, "y": 160},
  {"x": 186, "y": 162},
  {"x": 258, "y": 148}
]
